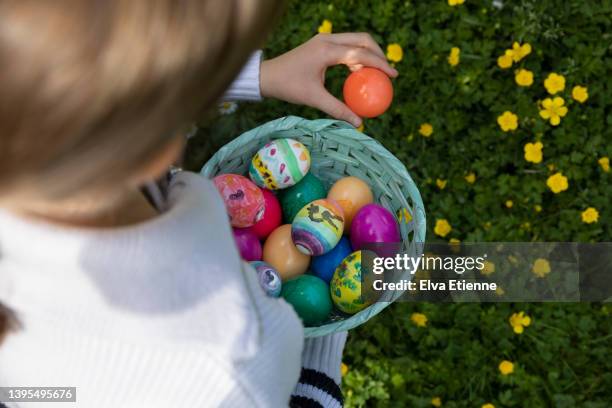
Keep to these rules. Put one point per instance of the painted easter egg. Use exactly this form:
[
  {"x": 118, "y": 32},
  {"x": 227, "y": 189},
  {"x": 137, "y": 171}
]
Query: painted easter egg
[
  {"x": 351, "y": 193},
  {"x": 243, "y": 200},
  {"x": 280, "y": 252},
  {"x": 269, "y": 279},
  {"x": 292, "y": 199},
  {"x": 346, "y": 285},
  {"x": 281, "y": 163},
  {"x": 324, "y": 266},
  {"x": 310, "y": 298},
  {"x": 248, "y": 244},
  {"x": 372, "y": 224},
  {"x": 317, "y": 227},
  {"x": 271, "y": 218},
  {"x": 368, "y": 92}
]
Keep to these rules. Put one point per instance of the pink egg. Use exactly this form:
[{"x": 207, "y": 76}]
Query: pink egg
[
  {"x": 243, "y": 200},
  {"x": 374, "y": 224},
  {"x": 248, "y": 244},
  {"x": 272, "y": 216}
]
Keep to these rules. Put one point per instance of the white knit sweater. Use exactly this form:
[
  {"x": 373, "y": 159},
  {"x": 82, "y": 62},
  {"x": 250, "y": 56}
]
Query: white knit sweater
[{"x": 160, "y": 314}]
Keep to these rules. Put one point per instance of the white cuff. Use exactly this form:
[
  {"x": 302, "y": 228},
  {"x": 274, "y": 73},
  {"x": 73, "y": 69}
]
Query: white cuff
[
  {"x": 324, "y": 354},
  {"x": 246, "y": 85}
]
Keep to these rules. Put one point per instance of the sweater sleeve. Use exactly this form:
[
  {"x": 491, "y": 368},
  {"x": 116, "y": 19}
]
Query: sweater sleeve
[
  {"x": 246, "y": 86},
  {"x": 319, "y": 383}
]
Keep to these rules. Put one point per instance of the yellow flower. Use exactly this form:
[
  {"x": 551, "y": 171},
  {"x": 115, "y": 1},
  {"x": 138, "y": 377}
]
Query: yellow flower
[
  {"x": 360, "y": 128},
  {"x": 520, "y": 51},
  {"x": 540, "y": 267},
  {"x": 419, "y": 319},
  {"x": 506, "y": 367},
  {"x": 533, "y": 152},
  {"x": 509, "y": 204},
  {"x": 488, "y": 268},
  {"x": 442, "y": 228},
  {"x": 455, "y": 2},
  {"x": 426, "y": 129},
  {"x": 519, "y": 321},
  {"x": 453, "y": 57},
  {"x": 343, "y": 369},
  {"x": 580, "y": 93},
  {"x": 505, "y": 61},
  {"x": 553, "y": 110},
  {"x": 325, "y": 27},
  {"x": 523, "y": 77},
  {"x": 557, "y": 183},
  {"x": 436, "y": 401},
  {"x": 554, "y": 83},
  {"x": 604, "y": 162},
  {"x": 395, "y": 52},
  {"x": 590, "y": 215},
  {"x": 537, "y": 208},
  {"x": 507, "y": 121},
  {"x": 470, "y": 178},
  {"x": 488, "y": 405},
  {"x": 441, "y": 183}
]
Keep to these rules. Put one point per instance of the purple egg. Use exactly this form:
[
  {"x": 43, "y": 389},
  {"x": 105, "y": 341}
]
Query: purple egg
[
  {"x": 373, "y": 224},
  {"x": 248, "y": 244}
]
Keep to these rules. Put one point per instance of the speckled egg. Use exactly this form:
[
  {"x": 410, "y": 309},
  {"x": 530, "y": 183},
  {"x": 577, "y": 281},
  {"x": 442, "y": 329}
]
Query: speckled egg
[
  {"x": 243, "y": 200},
  {"x": 269, "y": 279},
  {"x": 345, "y": 287},
  {"x": 281, "y": 163},
  {"x": 317, "y": 227}
]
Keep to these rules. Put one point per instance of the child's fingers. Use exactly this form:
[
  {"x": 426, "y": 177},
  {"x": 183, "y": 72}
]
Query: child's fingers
[
  {"x": 335, "y": 108},
  {"x": 364, "y": 40},
  {"x": 354, "y": 56}
]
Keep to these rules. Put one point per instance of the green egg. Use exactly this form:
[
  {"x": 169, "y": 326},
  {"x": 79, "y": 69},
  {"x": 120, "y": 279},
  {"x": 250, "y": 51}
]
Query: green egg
[
  {"x": 310, "y": 298},
  {"x": 294, "y": 198}
]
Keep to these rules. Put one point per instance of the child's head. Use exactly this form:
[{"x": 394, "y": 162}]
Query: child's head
[{"x": 95, "y": 94}]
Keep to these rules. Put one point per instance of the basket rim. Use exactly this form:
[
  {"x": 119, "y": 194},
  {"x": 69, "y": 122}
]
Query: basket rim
[{"x": 320, "y": 126}]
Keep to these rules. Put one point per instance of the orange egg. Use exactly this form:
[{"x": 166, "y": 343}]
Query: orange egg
[
  {"x": 351, "y": 193},
  {"x": 280, "y": 252},
  {"x": 368, "y": 92}
]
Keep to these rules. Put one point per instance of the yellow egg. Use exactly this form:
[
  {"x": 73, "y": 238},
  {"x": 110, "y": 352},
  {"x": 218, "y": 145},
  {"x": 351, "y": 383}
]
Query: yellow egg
[{"x": 346, "y": 288}]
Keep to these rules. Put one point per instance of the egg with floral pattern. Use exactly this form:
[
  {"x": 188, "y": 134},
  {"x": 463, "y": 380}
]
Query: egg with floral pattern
[
  {"x": 346, "y": 285},
  {"x": 281, "y": 163},
  {"x": 317, "y": 227}
]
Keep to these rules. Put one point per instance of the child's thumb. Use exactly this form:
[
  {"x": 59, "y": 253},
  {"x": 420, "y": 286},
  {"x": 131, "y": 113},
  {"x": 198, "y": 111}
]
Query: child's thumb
[{"x": 335, "y": 108}]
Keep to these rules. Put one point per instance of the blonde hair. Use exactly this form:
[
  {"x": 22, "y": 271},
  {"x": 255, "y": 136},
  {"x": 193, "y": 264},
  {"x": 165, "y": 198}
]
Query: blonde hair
[{"x": 90, "y": 90}]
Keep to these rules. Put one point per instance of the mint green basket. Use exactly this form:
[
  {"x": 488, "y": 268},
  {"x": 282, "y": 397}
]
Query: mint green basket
[{"x": 338, "y": 150}]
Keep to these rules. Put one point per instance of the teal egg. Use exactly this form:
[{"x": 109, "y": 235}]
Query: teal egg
[
  {"x": 309, "y": 297},
  {"x": 294, "y": 198}
]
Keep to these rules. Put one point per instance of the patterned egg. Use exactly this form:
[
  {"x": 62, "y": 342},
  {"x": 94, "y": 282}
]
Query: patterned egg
[
  {"x": 317, "y": 227},
  {"x": 345, "y": 286},
  {"x": 269, "y": 279},
  {"x": 243, "y": 200},
  {"x": 281, "y": 163}
]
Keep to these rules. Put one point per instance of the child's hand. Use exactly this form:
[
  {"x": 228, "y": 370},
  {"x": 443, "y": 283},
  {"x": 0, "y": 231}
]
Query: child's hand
[{"x": 298, "y": 76}]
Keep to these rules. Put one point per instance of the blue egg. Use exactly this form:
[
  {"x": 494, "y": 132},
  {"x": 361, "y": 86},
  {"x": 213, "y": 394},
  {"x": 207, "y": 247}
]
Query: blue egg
[{"x": 325, "y": 265}]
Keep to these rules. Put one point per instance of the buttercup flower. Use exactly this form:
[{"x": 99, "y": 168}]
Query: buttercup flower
[
  {"x": 453, "y": 57},
  {"x": 470, "y": 178},
  {"x": 343, "y": 369},
  {"x": 553, "y": 110},
  {"x": 533, "y": 152},
  {"x": 554, "y": 83},
  {"x": 580, "y": 93},
  {"x": 505, "y": 61},
  {"x": 604, "y": 162},
  {"x": 488, "y": 268},
  {"x": 520, "y": 51},
  {"x": 325, "y": 27},
  {"x": 590, "y": 215},
  {"x": 455, "y": 2},
  {"x": 488, "y": 405},
  {"x": 557, "y": 183},
  {"x": 506, "y": 367},
  {"x": 509, "y": 203},
  {"x": 436, "y": 401},
  {"x": 540, "y": 267},
  {"x": 426, "y": 129},
  {"x": 442, "y": 228},
  {"x": 537, "y": 208},
  {"x": 395, "y": 52},
  {"x": 441, "y": 183},
  {"x": 523, "y": 77},
  {"x": 507, "y": 121},
  {"x": 519, "y": 321},
  {"x": 419, "y": 319}
]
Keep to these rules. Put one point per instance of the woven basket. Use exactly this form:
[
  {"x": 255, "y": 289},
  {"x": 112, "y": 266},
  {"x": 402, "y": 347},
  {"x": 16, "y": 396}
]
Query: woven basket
[{"x": 338, "y": 150}]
